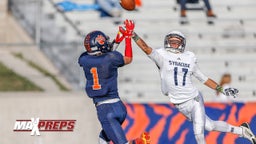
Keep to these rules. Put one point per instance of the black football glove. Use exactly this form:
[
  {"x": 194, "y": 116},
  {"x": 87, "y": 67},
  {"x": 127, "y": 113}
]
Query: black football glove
[{"x": 231, "y": 92}]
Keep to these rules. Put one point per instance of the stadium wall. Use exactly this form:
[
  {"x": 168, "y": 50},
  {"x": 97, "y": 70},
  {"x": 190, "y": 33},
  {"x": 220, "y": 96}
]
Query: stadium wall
[
  {"x": 167, "y": 126},
  {"x": 48, "y": 106}
]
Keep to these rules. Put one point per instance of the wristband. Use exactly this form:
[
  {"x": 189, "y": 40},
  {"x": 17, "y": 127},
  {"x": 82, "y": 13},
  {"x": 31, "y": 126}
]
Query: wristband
[
  {"x": 219, "y": 88},
  {"x": 135, "y": 37},
  {"x": 128, "y": 47}
]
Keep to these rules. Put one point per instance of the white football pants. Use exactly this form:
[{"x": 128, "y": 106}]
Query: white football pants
[{"x": 194, "y": 110}]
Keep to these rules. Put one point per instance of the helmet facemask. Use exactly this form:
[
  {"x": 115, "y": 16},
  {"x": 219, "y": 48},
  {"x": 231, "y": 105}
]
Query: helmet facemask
[{"x": 181, "y": 42}]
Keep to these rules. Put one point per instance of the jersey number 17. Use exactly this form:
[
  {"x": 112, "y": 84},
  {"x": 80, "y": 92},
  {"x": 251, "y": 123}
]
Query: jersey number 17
[{"x": 185, "y": 71}]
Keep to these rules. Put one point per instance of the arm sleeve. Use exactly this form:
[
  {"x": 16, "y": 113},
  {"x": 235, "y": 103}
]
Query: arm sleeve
[
  {"x": 117, "y": 58},
  {"x": 128, "y": 47},
  {"x": 156, "y": 57},
  {"x": 199, "y": 75}
]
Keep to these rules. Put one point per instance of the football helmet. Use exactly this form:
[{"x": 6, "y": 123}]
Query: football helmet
[
  {"x": 96, "y": 42},
  {"x": 178, "y": 35}
]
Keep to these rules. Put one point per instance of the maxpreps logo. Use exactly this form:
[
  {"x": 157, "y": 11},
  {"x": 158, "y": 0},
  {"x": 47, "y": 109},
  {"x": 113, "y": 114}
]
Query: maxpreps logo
[{"x": 35, "y": 125}]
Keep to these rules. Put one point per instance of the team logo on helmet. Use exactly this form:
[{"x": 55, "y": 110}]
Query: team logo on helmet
[{"x": 100, "y": 39}]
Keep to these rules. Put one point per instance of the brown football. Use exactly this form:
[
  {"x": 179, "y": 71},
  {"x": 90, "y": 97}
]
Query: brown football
[{"x": 128, "y": 4}]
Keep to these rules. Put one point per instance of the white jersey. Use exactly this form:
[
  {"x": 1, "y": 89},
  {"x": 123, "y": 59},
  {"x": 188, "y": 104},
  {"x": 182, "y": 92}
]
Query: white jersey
[{"x": 175, "y": 73}]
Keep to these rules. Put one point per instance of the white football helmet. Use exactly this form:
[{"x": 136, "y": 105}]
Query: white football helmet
[{"x": 178, "y": 35}]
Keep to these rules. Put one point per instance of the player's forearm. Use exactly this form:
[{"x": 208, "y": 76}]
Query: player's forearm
[
  {"x": 128, "y": 51},
  {"x": 127, "y": 60},
  {"x": 211, "y": 84},
  {"x": 142, "y": 44}
]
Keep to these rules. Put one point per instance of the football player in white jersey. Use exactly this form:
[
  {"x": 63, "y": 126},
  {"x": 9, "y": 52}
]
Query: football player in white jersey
[{"x": 176, "y": 67}]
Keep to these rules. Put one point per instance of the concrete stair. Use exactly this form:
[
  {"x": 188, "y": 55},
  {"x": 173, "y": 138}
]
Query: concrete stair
[{"x": 230, "y": 40}]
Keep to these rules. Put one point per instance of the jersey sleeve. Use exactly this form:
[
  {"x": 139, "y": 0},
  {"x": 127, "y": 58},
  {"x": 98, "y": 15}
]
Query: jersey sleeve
[
  {"x": 81, "y": 59},
  {"x": 156, "y": 57},
  {"x": 198, "y": 74},
  {"x": 117, "y": 59}
]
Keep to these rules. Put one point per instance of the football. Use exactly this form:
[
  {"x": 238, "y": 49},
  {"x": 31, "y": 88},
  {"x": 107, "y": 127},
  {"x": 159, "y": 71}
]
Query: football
[{"x": 128, "y": 4}]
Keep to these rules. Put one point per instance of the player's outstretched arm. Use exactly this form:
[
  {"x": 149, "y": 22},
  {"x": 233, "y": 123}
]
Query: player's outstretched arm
[
  {"x": 211, "y": 84},
  {"x": 127, "y": 32},
  {"x": 228, "y": 91},
  {"x": 142, "y": 44}
]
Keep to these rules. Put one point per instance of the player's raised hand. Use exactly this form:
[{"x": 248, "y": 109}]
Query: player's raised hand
[
  {"x": 128, "y": 28},
  {"x": 129, "y": 25},
  {"x": 231, "y": 92},
  {"x": 119, "y": 37}
]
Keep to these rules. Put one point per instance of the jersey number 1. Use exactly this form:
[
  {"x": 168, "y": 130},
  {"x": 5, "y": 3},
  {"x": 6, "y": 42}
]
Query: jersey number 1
[
  {"x": 185, "y": 71},
  {"x": 96, "y": 85}
]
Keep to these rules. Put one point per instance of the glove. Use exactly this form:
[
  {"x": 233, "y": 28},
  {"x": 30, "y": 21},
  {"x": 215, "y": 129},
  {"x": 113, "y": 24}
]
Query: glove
[
  {"x": 231, "y": 92},
  {"x": 119, "y": 37},
  {"x": 128, "y": 30}
]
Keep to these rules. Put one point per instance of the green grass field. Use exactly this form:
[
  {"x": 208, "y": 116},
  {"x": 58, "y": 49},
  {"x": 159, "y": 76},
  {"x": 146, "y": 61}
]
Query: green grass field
[
  {"x": 10, "y": 81},
  {"x": 43, "y": 71}
]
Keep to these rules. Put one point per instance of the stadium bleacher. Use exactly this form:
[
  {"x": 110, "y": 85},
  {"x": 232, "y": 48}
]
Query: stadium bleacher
[
  {"x": 226, "y": 46},
  {"x": 230, "y": 40}
]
